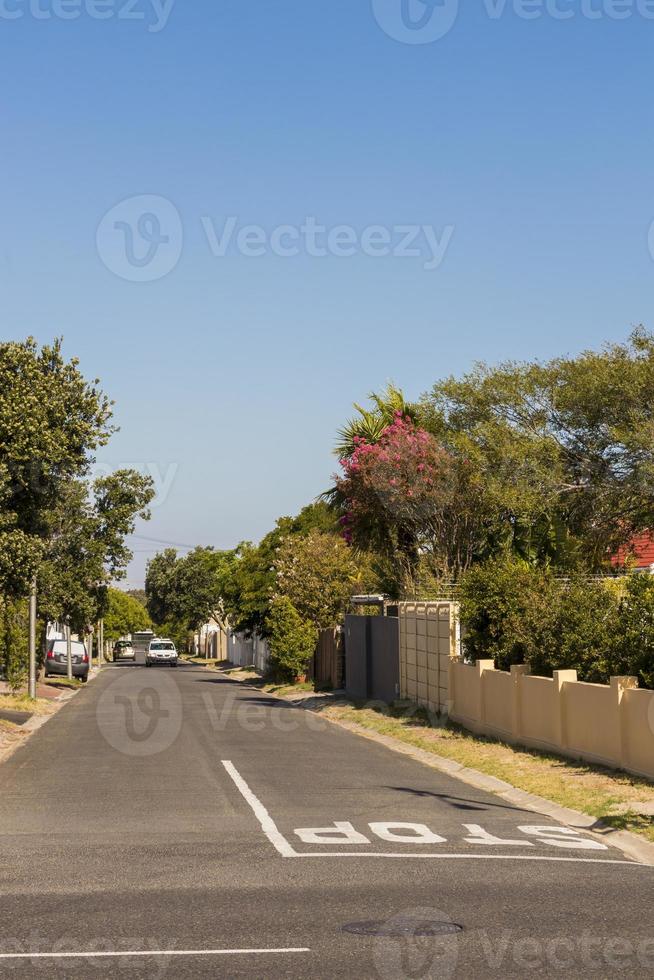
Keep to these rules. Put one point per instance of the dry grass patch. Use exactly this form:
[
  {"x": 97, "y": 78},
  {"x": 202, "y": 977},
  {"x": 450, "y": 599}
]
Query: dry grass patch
[{"x": 22, "y": 702}]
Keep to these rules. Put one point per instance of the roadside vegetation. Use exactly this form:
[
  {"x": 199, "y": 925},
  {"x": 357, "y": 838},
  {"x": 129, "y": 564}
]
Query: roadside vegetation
[
  {"x": 513, "y": 488},
  {"x": 59, "y": 528}
]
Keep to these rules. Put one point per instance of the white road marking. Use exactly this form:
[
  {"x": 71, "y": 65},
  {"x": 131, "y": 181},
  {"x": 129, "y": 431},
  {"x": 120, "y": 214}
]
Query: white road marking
[
  {"x": 467, "y": 857},
  {"x": 151, "y": 952},
  {"x": 282, "y": 845},
  {"x": 420, "y": 833},
  {"x": 341, "y": 832},
  {"x": 481, "y": 836},
  {"x": 268, "y": 825}
]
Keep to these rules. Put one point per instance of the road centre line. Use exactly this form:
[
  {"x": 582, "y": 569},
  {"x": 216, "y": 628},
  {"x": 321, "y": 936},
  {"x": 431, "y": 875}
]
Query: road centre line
[
  {"x": 151, "y": 952},
  {"x": 268, "y": 825}
]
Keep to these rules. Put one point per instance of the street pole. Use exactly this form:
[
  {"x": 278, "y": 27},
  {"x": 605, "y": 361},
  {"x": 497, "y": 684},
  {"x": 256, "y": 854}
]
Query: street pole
[
  {"x": 32, "y": 649},
  {"x": 69, "y": 654},
  {"x": 102, "y": 641}
]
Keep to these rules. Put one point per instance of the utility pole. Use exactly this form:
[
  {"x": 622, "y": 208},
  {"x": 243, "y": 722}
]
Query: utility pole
[
  {"x": 32, "y": 647},
  {"x": 69, "y": 654}
]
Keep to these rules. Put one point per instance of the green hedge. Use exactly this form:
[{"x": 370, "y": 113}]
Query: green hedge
[{"x": 515, "y": 613}]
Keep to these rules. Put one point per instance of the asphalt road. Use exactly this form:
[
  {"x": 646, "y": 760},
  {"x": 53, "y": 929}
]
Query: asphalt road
[{"x": 170, "y": 823}]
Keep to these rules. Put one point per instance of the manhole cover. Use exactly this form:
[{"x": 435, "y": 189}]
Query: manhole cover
[{"x": 402, "y": 927}]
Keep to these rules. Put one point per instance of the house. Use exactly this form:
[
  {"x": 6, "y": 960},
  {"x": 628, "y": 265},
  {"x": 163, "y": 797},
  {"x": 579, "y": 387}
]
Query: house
[{"x": 639, "y": 553}]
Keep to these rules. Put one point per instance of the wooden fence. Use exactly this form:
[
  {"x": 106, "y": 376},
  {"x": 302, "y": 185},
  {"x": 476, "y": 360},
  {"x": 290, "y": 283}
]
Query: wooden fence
[{"x": 328, "y": 662}]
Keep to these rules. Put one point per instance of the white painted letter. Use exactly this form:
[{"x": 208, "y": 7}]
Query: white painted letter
[
  {"x": 342, "y": 832},
  {"x": 420, "y": 833}
]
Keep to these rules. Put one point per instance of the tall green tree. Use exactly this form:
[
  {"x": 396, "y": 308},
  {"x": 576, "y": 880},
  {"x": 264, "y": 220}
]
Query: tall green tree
[
  {"x": 248, "y": 585},
  {"x": 51, "y": 421},
  {"x": 319, "y": 573},
  {"x": 565, "y": 449},
  {"x": 124, "y": 614},
  {"x": 86, "y": 548}
]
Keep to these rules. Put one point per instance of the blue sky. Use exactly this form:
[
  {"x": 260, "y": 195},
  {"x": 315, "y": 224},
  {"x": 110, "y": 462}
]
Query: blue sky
[{"x": 525, "y": 145}]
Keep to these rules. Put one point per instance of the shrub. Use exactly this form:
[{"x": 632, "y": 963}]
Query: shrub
[
  {"x": 506, "y": 608},
  {"x": 579, "y": 633},
  {"x": 14, "y": 652},
  {"x": 634, "y": 645},
  {"x": 292, "y": 640},
  {"x": 515, "y": 613}
]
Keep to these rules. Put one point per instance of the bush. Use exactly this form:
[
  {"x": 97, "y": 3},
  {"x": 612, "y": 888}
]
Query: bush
[
  {"x": 14, "y": 642},
  {"x": 515, "y": 613},
  {"x": 292, "y": 640},
  {"x": 505, "y": 609},
  {"x": 634, "y": 647},
  {"x": 579, "y": 633}
]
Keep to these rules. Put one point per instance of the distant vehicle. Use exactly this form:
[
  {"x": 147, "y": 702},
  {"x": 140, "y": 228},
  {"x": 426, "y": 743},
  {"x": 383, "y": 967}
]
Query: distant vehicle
[
  {"x": 161, "y": 651},
  {"x": 141, "y": 642},
  {"x": 56, "y": 662},
  {"x": 123, "y": 650}
]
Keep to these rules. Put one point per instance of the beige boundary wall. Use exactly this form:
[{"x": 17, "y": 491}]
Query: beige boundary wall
[
  {"x": 428, "y": 641},
  {"x": 612, "y": 725}
]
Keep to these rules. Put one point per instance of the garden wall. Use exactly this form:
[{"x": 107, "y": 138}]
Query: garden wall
[{"x": 610, "y": 724}]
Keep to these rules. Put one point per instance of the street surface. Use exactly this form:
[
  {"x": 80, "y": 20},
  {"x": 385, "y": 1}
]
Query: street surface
[{"x": 171, "y": 823}]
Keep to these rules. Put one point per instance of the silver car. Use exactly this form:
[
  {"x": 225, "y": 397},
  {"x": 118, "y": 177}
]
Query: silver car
[
  {"x": 56, "y": 659},
  {"x": 161, "y": 652}
]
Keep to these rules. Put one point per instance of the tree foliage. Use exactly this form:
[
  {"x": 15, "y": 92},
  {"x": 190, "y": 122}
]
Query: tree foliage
[
  {"x": 185, "y": 592},
  {"x": 514, "y": 612},
  {"x": 564, "y": 449},
  {"x": 124, "y": 614},
  {"x": 249, "y": 584},
  {"x": 292, "y": 640},
  {"x": 86, "y": 547},
  {"x": 318, "y": 573},
  {"x": 410, "y": 499},
  {"x": 51, "y": 420}
]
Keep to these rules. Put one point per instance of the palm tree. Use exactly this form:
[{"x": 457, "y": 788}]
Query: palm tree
[{"x": 369, "y": 424}]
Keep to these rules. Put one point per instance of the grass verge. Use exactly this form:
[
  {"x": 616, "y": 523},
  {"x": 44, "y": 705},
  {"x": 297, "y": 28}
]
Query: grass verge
[{"x": 22, "y": 702}]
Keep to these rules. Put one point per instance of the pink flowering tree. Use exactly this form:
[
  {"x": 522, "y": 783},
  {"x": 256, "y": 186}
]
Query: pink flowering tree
[{"x": 408, "y": 498}]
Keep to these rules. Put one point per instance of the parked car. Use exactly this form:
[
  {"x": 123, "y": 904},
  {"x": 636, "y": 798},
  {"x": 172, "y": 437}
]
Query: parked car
[
  {"x": 56, "y": 662},
  {"x": 161, "y": 651},
  {"x": 123, "y": 650}
]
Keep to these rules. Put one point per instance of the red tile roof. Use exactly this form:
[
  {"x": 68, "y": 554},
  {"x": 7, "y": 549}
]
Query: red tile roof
[{"x": 641, "y": 548}]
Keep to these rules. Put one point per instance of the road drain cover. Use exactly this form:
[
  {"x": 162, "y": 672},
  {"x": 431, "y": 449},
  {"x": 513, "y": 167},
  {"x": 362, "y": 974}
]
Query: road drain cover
[{"x": 401, "y": 926}]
